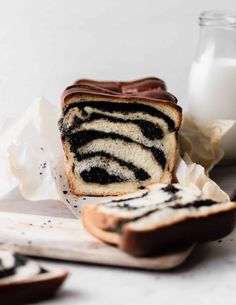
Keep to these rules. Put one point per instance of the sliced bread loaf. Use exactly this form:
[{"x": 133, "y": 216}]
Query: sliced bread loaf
[{"x": 116, "y": 142}]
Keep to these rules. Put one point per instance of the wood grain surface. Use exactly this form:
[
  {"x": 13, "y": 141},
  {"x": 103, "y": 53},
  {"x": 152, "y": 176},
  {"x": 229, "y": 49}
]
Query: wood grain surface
[{"x": 62, "y": 238}]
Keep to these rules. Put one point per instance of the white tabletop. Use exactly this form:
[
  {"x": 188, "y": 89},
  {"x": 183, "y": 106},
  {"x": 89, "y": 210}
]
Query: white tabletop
[{"x": 208, "y": 277}]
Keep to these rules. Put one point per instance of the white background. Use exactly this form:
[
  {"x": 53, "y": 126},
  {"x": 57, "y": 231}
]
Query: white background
[{"x": 45, "y": 45}]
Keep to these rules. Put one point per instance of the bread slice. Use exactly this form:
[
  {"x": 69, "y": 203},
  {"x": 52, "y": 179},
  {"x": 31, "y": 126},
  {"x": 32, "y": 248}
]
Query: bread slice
[
  {"x": 115, "y": 142},
  {"x": 158, "y": 218},
  {"x": 23, "y": 281}
]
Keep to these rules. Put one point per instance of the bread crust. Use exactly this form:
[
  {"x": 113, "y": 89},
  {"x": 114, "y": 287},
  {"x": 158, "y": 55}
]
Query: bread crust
[
  {"x": 73, "y": 93},
  {"x": 88, "y": 223},
  {"x": 186, "y": 230},
  {"x": 139, "y": 85},
  {"x": 35, "y": 289}
]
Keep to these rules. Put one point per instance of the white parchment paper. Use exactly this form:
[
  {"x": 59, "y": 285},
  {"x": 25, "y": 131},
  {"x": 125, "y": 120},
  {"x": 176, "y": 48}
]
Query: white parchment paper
[{"x": 32, "y": 159}]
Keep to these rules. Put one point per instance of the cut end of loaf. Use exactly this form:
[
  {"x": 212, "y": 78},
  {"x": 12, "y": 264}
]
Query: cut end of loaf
[{"x": 117, "y": 143}]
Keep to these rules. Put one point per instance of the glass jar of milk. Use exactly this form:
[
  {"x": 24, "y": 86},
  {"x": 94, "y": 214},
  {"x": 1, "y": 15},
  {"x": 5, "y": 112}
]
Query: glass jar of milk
[{"x": 212, "y": 82}]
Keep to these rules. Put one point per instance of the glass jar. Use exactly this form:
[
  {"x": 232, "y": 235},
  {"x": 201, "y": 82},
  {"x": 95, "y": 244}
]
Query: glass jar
[{"x": 212, "y": 81}]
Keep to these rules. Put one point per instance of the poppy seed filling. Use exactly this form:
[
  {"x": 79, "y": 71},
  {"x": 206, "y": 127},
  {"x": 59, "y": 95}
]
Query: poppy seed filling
[{"x": 78, "y": 137}]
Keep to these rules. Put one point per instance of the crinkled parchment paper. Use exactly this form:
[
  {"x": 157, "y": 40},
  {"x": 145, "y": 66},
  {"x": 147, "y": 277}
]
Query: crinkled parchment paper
[
  {"x": 201, "y": 140},
  {"x": 31, "y": 155}
]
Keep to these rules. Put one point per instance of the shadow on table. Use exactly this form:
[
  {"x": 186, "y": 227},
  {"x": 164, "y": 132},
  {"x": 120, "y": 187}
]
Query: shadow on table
[
  {"x": 208, "y": 253},
  {"x": 64, "y": 296}
]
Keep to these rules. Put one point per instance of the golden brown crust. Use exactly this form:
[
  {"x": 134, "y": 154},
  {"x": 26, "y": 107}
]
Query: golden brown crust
[
  {"x": 187, "y": 231},
  {"x": 89, "y": 89},
  {"x": 38, "y": 288},
  {"x": 88, "y": 223},
  {"x": 98, "y": 218},
  {"x": 152, "y": 94},
  {"x": 75, "y": 95},
  {"x": 145, "y": 242},
  {"x": 151, "y": 87},
  {"x": 109, "y": 85},
  {"x": 139, "y": 85}
]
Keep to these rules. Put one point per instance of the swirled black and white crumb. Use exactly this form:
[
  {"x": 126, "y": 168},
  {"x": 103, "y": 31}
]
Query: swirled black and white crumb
[{"x": 118, "y": 136}]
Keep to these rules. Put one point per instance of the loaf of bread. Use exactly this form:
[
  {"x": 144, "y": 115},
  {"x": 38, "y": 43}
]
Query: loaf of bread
[
  {"x": 158, "y": 218},
  {"x": 118, "y": 136}
]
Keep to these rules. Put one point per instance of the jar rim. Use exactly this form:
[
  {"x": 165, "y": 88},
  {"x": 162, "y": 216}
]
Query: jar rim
[{"x": 217, "y": 18}]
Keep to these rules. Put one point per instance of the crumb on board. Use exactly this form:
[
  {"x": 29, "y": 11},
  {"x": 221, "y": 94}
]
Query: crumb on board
[{"x": 42, "y": 166}]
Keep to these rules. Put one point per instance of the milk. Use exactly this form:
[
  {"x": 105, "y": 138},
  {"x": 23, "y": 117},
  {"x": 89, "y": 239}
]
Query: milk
[{"x": 212, "y": 94}]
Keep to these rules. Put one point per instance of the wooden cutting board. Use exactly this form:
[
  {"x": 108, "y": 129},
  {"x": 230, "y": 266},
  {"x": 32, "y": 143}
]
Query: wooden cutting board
[{"x": 63, "y": 237}]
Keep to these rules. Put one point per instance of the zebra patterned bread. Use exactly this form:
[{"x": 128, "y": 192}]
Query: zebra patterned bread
[
  {"x": 158, "y": 218},
  {"x": 116, "y": 142},
  {"x": 24, "y": 281}
]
